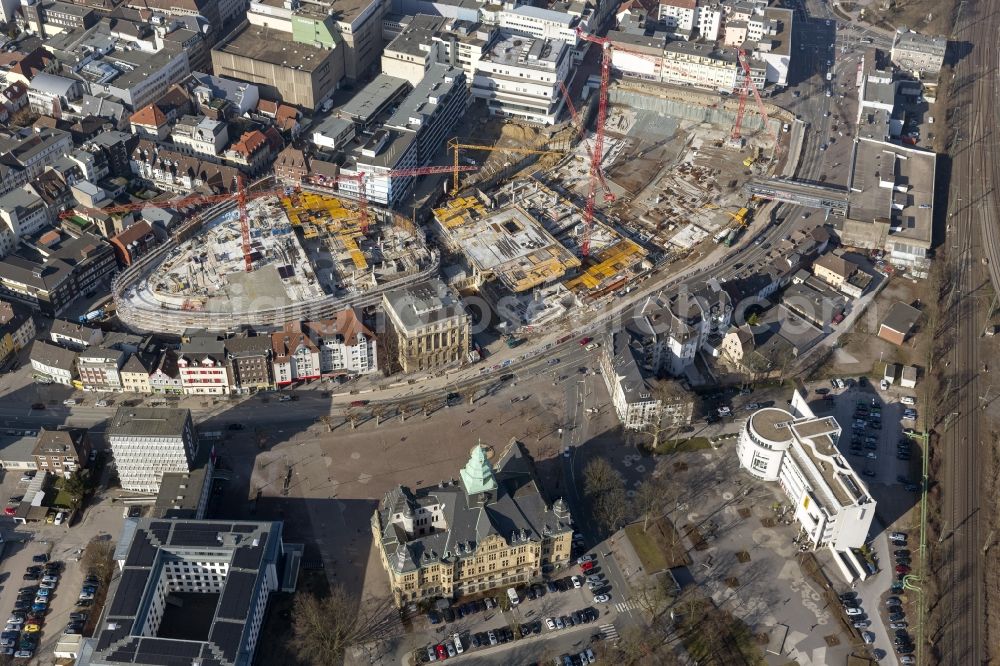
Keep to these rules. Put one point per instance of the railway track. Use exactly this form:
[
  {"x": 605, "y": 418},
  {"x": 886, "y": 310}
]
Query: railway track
[{"x": 973, "y": 238}]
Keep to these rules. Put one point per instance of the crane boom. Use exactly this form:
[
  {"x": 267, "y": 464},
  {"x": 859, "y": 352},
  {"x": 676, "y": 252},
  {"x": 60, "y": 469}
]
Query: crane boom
[
  {"x": 608, "y": 194},
  {"x": 454, "y": 145}
]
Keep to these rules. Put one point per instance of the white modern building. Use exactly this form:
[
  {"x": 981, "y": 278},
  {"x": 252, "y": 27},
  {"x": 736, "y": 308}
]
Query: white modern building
[
  {"x": 23, "y": 213},
  {"x": 799, "y": 451},
  {"x": 541, "y": 23},
  {"x": 201, "y": 136},
  {"x": 148, "y": 442},
  {"x": 202, "y": 366},
  {"x": 238, "y": 563},
  {"x": 691, "y": 18},
  {"x": 54, "y": 363},
  {"x": 520, "y": 76},
  {"x": 346, "y": 346}
]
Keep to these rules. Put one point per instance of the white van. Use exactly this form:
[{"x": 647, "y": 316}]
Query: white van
[
  {"x": 512, "y": 595},
  {"x": 908, "y": 400}
]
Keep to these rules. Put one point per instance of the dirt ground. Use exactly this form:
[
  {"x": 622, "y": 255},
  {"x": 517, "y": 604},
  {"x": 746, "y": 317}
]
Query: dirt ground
[
  {"x": 932, "y": 17},
  {"x": 862, "y": 352}
]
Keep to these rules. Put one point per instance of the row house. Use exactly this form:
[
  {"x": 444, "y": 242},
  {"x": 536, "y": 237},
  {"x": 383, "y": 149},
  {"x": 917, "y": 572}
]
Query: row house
[
  {"x": 167, "y": 169},
  {"x": 346, "y": 346},
  {"x": 17, "y": 329},
  {"x": 135, "y": 374},
  {"x": 251, "y": 152},
  {"x": 295, "y": 357},
  {"x": 202, "y": 365},
  {"x": 100, "y": 369},
  {"x": 165, "y": 378},
  {"x": 249, "y": 359}
]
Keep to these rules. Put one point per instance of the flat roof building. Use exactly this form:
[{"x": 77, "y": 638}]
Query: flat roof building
[
  {"x": 284, "y": 69},
  {"x": 231, "y": 566},
  {"x": 919, "y": 54},
  {"x": 148, "y": 442},
  {"x": 430, "y": 325},
  {"x": 832, "y": 503}
]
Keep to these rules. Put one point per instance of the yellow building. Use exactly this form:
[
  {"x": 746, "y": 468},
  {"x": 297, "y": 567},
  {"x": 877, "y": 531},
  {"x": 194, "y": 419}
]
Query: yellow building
[
  {"x": 429, "y": 324},
  {"x": 491, "y": 529}
]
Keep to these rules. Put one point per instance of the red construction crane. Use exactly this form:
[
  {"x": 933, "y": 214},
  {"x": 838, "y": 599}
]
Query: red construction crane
[
  {"x": 608, "y": 194},
  {"x": 597, "y": 155},
  {"x": 748, "y": 85},
  {"x": 241, "y": 200}
]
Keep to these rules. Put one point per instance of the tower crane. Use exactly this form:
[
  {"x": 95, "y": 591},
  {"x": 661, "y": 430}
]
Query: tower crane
[
  {"x": 454, "y": 145},
  {"x": 748, "y": 86},
  {"x": 608, "y": 194},
  {"x": 362, "y": 177},
  {"x": 602, "y": 113},
  {"x": 242, "y": 197}
]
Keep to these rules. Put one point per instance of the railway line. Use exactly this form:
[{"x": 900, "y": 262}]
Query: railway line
[{"x": 973, "y": 238}]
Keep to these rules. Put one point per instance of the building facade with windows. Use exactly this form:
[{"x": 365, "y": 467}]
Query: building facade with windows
[
  {"x": 62, "y": 452},
  {"x": 430, "y": 325},
  {"x": 491, "y": 529},
  {"x": 148, "y": 442},
  {"x": 799, "y": 450},
  {"x": 346, "y": 346},
  {"x": 100, "y": 368},
  {"x": 202, "y": 367}
]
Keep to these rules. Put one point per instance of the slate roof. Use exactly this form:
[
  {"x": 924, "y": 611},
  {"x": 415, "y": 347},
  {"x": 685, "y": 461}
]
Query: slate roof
[{"x": 517, "y": 512}]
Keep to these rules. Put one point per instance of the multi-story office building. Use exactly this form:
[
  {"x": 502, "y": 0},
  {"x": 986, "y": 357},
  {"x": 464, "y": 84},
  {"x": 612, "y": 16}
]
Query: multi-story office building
[
  {"x": 239, "y": 564},
  {"x": 43, "y": 147},
  {"x": 691, "y": 18},
  {"x": 46, "y": 18},
  {"x": 100, "y": 368},
  {"x": 519, "y": 78},
  {"x": 799, "y": 451},
  {"x": 410, "y": 137},
  {"x": 491, "y": 529},
  {"x": 202, "y": 366},
  {"x": 148, "y": 442},
  {"x": 200, "y": 135},
  {"x": 62, "y": 452},
  {"x": 430, "y": 325},
  {"x": 543, "y": 23},
  {"x": 346, "y": 346},
  {"x": 249, "y": 358}
]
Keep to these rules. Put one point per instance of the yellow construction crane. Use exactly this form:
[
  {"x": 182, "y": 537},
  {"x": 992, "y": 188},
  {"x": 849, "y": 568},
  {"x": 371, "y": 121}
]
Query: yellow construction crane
[{"x": 454, "y": 145}]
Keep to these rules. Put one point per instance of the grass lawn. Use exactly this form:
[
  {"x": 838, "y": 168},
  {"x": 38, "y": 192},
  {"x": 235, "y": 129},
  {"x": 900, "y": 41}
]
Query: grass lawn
[
  {"x": 659, "y": 547},
  {"x": 679, "y": 445}
]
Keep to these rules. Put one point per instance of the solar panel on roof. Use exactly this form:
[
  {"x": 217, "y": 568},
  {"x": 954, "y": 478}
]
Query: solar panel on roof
[
  {"x": 235, "y": 602},
  {"x": 129, "y": 594},
  {"x": 166, "y": 646},
  {"x": 142, "y": 553},
  {"x": 227, "y": 635},
  {"x": 249, "y": 558}
]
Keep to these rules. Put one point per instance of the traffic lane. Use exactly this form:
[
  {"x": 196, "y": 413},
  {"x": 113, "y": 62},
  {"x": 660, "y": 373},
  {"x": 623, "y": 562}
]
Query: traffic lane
[{"x": 572, "y": 640}]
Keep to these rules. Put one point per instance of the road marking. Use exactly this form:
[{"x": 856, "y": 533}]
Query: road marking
[
  {"x": 609, "y": 631},
  {"x": 623, "y": 606}
]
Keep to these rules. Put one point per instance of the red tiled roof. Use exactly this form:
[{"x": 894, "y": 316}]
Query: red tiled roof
[
  {"x": 268, "y": 107},
  {"x": 149, "y": 116},
  {"x": 134, "y": 232},
  {"x": 250, "y": 143}
]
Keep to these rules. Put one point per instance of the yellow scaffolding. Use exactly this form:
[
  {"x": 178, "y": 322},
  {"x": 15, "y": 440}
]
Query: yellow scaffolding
[{"x": 609, "y": 263}]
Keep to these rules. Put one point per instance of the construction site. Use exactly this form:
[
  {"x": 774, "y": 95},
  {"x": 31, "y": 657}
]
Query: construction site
[{"x": 303, "y": 248}]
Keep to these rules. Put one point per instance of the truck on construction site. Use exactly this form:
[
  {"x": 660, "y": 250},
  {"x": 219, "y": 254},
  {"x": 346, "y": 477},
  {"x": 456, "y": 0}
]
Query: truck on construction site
[
  {"x": 91, "y": 316},
  {"x": 732, "y": 236}
]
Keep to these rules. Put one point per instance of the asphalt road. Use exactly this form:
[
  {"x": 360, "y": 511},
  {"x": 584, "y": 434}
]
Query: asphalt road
[{"x": 972, "y": 235}]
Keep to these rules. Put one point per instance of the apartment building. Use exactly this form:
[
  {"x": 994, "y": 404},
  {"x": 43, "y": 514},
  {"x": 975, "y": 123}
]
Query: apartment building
[
  {"x": 691, "y": 19},
  {"x": 294, "y": 355},
  {"x": 22, "y": 213},
  {"x": 346, "y": 346},
  {"x": 47, "y": 18},
  {"x": 51, "y": 95},
  {"x": 491, "y": 529},
  {"x": 631, "y": 394},
  {"x": 200, "y": 135},
  {"x": 201, "y": 363},
  {"x": 165, "y": 377},
  {"x": 74, "y": 336},
  {"x": 411, "y": 53},
  {"x": 99, "y": 368},
  {"x": 239, "y": 563},
  {"x": 429, "y": 324},
  {"x": 135, "y": 373},
  {"x": 148, "y": 442},
  {"x": 32, "y": 152},
  {"x": 799, "y": 451},
  {"x": 62, "y": 452},
  {"x": 519, "y": 78},
  {"x": 249, "y": 358},
  {"x": 54, "y": 363},
  {"x": 17, "y": 329}
]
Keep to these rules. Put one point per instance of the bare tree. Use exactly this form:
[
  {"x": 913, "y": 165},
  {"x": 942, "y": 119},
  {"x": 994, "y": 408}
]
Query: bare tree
[
  {"x": 378, "y": 411},
  {"x": 352, "y": 417},
  {"x": 600, "y": 477},
  {"x": 324, "y": 628},
  {"x": 98, "y": 558},
  {"x": 604, "y": 488},
  {"x": 327, "y": 421},
  {"x": 648, "y": 501}
]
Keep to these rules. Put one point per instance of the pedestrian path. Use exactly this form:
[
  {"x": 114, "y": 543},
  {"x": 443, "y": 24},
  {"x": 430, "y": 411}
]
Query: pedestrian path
[{"x": 609, "y": 632}]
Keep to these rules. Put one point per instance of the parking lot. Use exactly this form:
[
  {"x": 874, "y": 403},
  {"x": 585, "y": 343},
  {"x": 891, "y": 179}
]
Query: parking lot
[{"x": 563, "y": 616}]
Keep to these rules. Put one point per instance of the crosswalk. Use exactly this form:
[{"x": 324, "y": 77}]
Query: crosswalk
[
  {"x": 609, "y": 632},
  {"x": 627, "y": 605}
]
